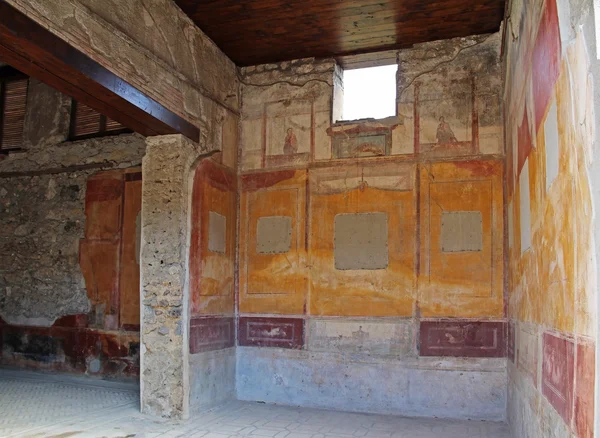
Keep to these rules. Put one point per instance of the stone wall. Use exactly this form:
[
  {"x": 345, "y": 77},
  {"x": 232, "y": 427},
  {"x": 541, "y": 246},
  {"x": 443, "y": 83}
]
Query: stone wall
[
  {"x": 55, "y": 313},
  {"x": 551, "y": 195},
  {"x": 371, "y": 252}
]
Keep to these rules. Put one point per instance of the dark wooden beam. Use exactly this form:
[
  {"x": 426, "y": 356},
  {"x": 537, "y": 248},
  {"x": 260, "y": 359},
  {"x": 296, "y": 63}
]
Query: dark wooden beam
[{"x": 37, "y": 52}]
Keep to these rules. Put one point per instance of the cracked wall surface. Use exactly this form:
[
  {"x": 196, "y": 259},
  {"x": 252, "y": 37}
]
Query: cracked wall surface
[{"x": 551, "y": 197}]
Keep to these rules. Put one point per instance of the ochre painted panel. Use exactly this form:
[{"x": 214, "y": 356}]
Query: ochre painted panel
[
  {"x": 212, "y": 271},
  {"x": 276, "y": 281},
  {"x": 382, "y": 188},
  {"x": 466, "y": 283}
]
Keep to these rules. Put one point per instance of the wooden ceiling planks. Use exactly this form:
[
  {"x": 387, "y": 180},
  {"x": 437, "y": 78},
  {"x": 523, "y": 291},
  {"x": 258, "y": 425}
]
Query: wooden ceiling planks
[{"x": 262, "y": 31}]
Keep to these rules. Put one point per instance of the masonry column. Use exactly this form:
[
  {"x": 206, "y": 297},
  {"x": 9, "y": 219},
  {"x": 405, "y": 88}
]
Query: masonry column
[{"x": 163, "y": 268}]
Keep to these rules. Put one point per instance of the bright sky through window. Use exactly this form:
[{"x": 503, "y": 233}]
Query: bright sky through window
[{"x": 370, "y": 92}]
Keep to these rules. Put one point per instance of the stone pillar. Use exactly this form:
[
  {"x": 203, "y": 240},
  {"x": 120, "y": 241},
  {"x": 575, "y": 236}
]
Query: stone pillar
[{"x": 164, "y": 253}]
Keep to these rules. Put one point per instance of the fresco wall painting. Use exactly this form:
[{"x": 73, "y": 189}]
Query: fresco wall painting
[{"x": 552, "y": 280}]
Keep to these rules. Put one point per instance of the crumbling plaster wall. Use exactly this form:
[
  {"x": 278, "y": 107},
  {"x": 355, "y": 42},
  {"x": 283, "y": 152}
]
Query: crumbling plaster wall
[
  {"x": 47, "y": 319},
  {"x": 551, "y": 93},
  {"x": 415, "y": 322},
  {"x": 43, "y": 216},
  {"x": 175, "y": 63}
]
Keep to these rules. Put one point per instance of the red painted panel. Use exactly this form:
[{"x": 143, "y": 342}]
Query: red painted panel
[
  {"x": 584, "y": 390},
  {"x": 129, "y": 280},
  {"x": 546, "y": 60},
  {"x": 478, "y": 168},
  {"x": 558, "y": 374},
  {"x": 209, "y": 333},
  {"x": 271, "y": 332},
  {"x": 103, "y": 205},
  {"x": 525, "y": 145},
  {"x": 99, "y": 264},
  {"x": 463, "y": 338},
  {"x": 257, "y": 181},
  {"x": 217, "y": 176}
]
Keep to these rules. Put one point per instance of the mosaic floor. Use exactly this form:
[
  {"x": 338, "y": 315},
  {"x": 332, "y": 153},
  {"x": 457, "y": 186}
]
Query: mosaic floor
[{"x": 40, "y": 405}]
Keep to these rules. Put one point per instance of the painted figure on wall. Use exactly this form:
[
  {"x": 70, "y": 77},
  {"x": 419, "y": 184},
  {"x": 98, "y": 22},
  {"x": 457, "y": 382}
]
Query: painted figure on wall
[
  {"x": 290, "y": 145},
  {"x": 445, "y": 135}
]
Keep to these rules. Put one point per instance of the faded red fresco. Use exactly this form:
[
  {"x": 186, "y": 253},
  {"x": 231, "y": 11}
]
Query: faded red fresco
[
  {"x": 584, "y": 390},
  {"x": 105, "y": 341},
  {"x": 271, "y": 332},
  {"x": 460, "y": 338},
  {"x": 546, "y": 60},
  {"x": 557, "y": 374},
  {"x": 209, "y": 333}
]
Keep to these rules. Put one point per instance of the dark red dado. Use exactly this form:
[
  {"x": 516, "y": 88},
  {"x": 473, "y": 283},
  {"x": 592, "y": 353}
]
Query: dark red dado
[
  {"x": 585, "y": 372},
  {"x": 69, "y": 345},
  {"x": 463, "y": 338},
  {"x": 271, "y": 332},
  {"x": 558, "y": 374},
  {"x": 208, "y": 333}
]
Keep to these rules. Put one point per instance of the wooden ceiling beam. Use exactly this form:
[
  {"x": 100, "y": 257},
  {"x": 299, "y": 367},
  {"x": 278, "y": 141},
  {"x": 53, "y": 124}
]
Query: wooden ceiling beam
[
  {"x": 265, "y": 31},
  {"x": 37, "y": 52}
]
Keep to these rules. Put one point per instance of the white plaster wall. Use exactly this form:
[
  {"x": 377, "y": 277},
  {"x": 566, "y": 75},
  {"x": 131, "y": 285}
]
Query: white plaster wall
[
  {"x": 448, "y": 387},
  {"x": 212, "y": 378}
]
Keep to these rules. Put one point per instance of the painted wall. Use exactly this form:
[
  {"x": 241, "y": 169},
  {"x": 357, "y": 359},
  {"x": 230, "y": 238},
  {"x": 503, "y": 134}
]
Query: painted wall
[
  {"x": 552, "y": 282},
  {"x": 69, "y": 281},
  {"x": 212, "y": 259},
  {"x": 371, "y": 252}
]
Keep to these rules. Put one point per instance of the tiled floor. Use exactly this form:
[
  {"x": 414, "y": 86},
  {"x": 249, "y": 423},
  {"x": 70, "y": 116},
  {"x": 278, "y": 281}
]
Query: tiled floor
[{"x": 38, "y": 405}]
